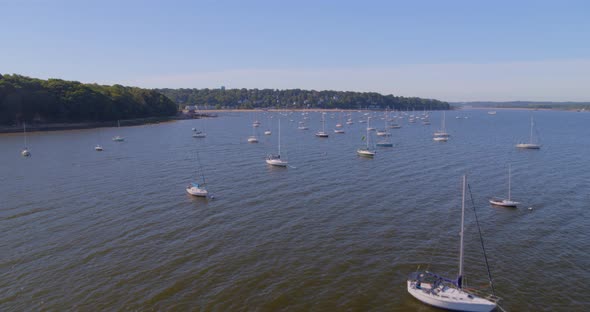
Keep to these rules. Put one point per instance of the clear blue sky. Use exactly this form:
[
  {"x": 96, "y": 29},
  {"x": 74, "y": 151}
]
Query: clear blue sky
[{"x": 450, "y": 50}]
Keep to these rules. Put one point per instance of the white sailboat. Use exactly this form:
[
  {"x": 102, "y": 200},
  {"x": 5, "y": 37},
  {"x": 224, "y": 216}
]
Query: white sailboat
[
  {"x": 323, "y": 133},
  {"x": 275, "y": 160},
  {"x": 448, "y": 294},
  {"x": 366, "y": 151},
  {"x": 198, "y": 188},
  {"x": 302, "y": 126},
  {"x": 529, "y": 145},
  {"x": 253, "y": 138},
  {"x": 442, "y": 133},
  {"x": 198, "y": 134},
  {"x": 25, "y": 152},
  {"x": 505, "y": 202},
  {"x": 118, "y": 138},
  {"x": 386, "y": 142}
]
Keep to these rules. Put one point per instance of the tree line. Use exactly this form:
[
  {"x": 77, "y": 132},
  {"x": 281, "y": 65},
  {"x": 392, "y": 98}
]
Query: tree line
[
  {"x": 297, "y": 98},
  {"x": 25, "y": 99}
]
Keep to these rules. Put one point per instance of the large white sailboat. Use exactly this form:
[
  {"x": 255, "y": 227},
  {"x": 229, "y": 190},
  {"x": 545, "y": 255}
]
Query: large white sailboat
[
  {"x": 198, "y": 188},
  {"x": 450, "y": 294},
  {"x": 505, "y": 202},
  {"x": 275, "y": 160},
  {"x": 442, "y": 133},
  {"x": 367, "y": 151},
  {"x": 530, "y": 144},
  {"x": 25, "y": 152}
]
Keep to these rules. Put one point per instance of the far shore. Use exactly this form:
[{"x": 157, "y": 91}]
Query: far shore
[{"x": 41, "y": 127}]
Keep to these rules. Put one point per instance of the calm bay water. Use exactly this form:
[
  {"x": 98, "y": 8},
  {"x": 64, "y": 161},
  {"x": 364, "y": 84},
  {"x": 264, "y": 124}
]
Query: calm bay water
[{"x": 83, "y": 230}]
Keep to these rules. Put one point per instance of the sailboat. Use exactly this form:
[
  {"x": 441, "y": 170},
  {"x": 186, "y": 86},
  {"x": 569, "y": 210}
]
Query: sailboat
[
  {"x": 118, "y": 138},
  {"x": 275, "y": 160},
  {"x": 505, "y": 202},
  {"x": 302, "y": 126},
  {"x": 198, "y": 188},
  {"x": 442, "y": 133},
  {"x": 25, "y": 152},
  {"x": 449, "y": 294},
  {"x": 323, "y": 133},
  {"x": 529, "y": 145},
  {"x": 366, "y": 151},
  {"x": 253, "y": 138}
]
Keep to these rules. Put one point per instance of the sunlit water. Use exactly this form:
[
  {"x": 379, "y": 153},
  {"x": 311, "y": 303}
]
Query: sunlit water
[{"x": 87, "y": 230}]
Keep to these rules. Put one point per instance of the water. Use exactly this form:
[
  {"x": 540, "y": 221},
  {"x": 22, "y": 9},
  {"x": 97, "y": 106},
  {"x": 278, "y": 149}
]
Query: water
[{"x": 87, "y": 230}]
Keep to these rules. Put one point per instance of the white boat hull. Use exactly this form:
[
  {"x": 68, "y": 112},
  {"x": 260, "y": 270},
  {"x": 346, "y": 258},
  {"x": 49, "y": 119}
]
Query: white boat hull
[
  {"x": 25, "y": 153},
  {"x": 277, "y": 162},
  {"x": 195, "y": 191},
  {"x": 252, "y": 140},
  {"x": 440, "y": 139},
  {"x": 321, "y": 135},
  {"x": 365, "y": 153},
  {"x": 449, "y": 298},
  {"x": 528, "y": 146},
  {"x": 503, "y": 203}
]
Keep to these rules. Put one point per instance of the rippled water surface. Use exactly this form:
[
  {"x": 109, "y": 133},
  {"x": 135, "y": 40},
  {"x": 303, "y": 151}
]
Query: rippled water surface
[{"x": 84, "y": 230}]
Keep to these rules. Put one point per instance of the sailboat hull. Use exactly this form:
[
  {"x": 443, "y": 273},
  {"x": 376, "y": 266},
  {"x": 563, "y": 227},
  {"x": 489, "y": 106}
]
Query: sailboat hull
[
  {"x": 365, "y": 153},
  {"x": 503, "y": 203},
  {"x": 528, "y": 146},
  {"x": 195, "y": 191},
  {"x": 277, "y": 162},
  {"x": 449, "y": 298}
]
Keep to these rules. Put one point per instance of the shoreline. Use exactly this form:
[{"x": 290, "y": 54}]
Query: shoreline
[{"x": 44, "y": 127}]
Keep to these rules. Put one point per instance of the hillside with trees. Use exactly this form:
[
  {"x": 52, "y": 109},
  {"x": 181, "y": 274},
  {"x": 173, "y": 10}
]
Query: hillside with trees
[
  {"x": 24, "y": 99},
  {"x": 297, "y": 98}
]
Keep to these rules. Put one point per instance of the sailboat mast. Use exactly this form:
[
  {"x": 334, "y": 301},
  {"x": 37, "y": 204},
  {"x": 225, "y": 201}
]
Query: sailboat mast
[
  {"x": 531, "y": 135},
  {"x": 460, "y": 277},
  {"x": 368, "y": 125},
  {"x": 279, "y": 136},
  {"x": 509, "y": 178},
  {"x": 25, "y": 132}
]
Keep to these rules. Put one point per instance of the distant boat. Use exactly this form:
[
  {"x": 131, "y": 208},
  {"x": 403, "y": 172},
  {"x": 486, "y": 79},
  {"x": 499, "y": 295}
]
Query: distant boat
[
  {"x": 199, "y": 135},
  {"x": 267, "y": 132},
  {"x": 302, "y": 126},
  {"x": 323, "y": 133},
  {"x": 254, "y": 138},
  {"x": 529, "y": 145},
  {"x": 442, "y": 133},
  {"x": 386, "y": 142},
  {"x": 367, "y": 151},
  {"x": 275, "y": 160},
  {"x": 450, "y": 294},
  {"x": 505, "y": 202},
  {"x": 340, "y": 131},
  {"x": 118, "y": 138},
  {"x": 98, "y": 148},
  {"x": 25, "y": 152},
  {"x": 492, "y": 113}
]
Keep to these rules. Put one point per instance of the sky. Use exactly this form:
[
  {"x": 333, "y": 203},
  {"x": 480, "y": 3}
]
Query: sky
[{"x": 443, "y": 49}]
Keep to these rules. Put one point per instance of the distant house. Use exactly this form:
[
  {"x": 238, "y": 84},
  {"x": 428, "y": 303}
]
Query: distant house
[{"x": 189, "y": 109}]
